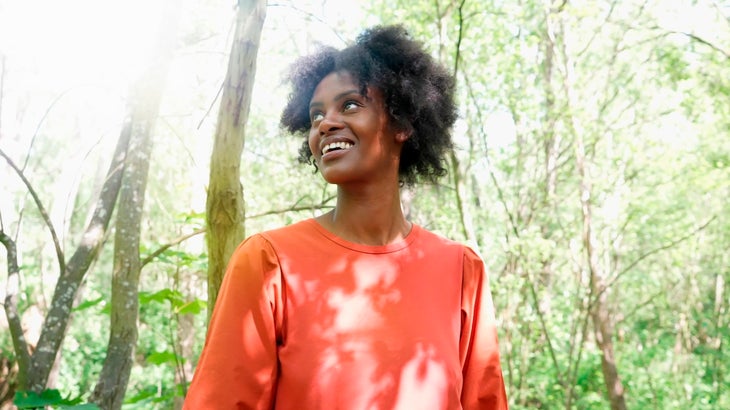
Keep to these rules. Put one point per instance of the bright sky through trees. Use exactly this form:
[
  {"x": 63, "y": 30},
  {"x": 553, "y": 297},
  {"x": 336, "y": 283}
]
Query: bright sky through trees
[{"x": 69, "y": 64}]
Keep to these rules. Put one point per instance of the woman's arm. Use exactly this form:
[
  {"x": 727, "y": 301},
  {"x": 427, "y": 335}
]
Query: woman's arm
[
  {"x": 238, "y": 366},
  {"x": 483, "y": 387}
]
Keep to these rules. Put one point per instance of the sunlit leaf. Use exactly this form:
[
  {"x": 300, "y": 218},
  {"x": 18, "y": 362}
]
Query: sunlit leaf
[
  {"x": 194, "y": 307},
  {"x": 88, "y": 304},
  {"x": 161, "y": 358}
]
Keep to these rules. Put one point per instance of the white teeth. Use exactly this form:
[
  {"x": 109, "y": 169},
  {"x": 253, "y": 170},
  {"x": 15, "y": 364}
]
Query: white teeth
[{"x": 334, "y": 145}]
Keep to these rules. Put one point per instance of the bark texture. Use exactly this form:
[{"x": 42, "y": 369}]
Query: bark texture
[
  {"x": 109, "y": 391},
  {"x": 56, "y": 321},
  {"x": 11, "y": 311},
  {"x": 225, "y": 210},
  {"x": 144, "y": 102}
]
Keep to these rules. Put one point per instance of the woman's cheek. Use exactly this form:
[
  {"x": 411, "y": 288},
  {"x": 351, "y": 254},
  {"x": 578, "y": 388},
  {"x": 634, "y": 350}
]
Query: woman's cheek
[{"x": 313, "y": 144}]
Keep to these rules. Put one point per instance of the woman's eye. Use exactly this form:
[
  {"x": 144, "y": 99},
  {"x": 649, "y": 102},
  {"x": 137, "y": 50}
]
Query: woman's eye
[
  {"x": 350, "y": 105},
  {"x": 316, "y": 117}
]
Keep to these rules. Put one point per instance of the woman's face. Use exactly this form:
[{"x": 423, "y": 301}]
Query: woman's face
[{"x": 350, "y": 135}]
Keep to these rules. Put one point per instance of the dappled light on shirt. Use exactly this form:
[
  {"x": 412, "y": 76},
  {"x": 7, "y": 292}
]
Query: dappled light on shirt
[
  {"x": 423, "y": 382},
  {"x": 352, "y": 327},
  {"x": 371, "y": 334},
  {"x": 365, "y": 306}
]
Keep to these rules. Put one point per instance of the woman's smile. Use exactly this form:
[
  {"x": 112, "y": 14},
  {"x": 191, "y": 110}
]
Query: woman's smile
[{"x": 336, "y": 146}]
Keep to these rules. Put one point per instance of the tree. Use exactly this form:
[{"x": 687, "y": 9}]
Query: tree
[
  {"x": 144, "y": 107},
  {"x": 225, "y": 209},
  {"x": 35, "y": 367}
]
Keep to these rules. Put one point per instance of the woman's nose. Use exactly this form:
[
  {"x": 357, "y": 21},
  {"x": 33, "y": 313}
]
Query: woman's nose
[{"x": 330, "y": 123}]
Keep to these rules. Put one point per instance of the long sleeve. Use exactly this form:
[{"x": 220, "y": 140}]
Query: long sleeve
[
  {"x": 483, "y": 387},
  {"x": 238, "y": 365}
]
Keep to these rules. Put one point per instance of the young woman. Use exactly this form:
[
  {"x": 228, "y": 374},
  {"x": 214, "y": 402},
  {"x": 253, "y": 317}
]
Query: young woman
[{"x": 358, "y": 308}]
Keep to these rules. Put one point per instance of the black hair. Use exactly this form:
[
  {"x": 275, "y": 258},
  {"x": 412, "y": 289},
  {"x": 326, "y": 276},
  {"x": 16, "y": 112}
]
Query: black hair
[{"x": 418, "y": 93}]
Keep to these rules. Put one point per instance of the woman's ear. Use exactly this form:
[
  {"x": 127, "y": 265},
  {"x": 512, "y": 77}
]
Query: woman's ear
[
  {"x": 402, "y": 136},
  {"x": 403, "y": 133}
]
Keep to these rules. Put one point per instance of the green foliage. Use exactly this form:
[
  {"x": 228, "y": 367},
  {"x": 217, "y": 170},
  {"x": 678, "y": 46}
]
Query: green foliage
[
  {"x": 151, "y": 398},
  {"x": 176, "y": 300},
  {"x": 50, "y": 397}
]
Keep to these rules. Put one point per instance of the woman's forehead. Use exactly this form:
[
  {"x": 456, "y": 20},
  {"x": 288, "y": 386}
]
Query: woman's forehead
[{"x": 338, "y": 81}]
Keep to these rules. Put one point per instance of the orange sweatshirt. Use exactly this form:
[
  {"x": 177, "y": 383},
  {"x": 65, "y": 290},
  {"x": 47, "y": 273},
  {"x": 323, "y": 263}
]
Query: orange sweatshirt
[{"x": 306, "y": 320}]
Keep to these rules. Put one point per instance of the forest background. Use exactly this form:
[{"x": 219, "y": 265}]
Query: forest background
[{"x": 591, "y": 172}]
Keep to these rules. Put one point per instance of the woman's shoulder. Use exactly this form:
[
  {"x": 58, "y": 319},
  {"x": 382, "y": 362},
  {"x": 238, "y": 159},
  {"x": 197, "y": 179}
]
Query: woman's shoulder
[
  {"x": 303, "y": 227},
  {"x": 295, "y": 233},
  {"x": 437, "y": 239},
  {"x": 268, "y": 237}
]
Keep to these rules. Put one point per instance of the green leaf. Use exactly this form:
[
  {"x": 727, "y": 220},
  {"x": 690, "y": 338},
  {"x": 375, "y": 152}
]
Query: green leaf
[
  {"x": 193, "y": 307},
  {"x": 31, "y": 400},
  {"x": 87, "y": 304},
  {"x": 161, "y": 358},
  {"x": 107, "y": 309},
  {"x": 174, "y": 297},
  {"x": 86, "y": 406},
  {"x": 147, "y": 393}
]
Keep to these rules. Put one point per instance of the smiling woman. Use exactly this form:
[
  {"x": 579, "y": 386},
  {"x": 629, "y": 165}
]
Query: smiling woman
[{"x": 358, "y": 308}]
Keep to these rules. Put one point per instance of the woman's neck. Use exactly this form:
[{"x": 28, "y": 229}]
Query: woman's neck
[{"x": 367, "y": 216}]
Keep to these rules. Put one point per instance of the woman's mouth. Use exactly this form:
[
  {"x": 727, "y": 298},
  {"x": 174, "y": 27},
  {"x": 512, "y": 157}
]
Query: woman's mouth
[{"x": 335, "y": 146}]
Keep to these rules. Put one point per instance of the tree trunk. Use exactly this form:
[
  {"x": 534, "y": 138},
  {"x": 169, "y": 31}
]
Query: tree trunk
[
  {"x": 114, "y": 376},
  {"x": 36, "y": 368},
  {"x": 20, "y": 345},
  {"x": 599, "y": 312},
  {"x": 598, "y": 307},
  {"x": 225, "y": 211},
  {"x": 145, "y": 103}
]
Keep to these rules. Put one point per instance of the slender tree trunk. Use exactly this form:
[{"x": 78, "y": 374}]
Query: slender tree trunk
[
  {"x": 20, "y": 345},
  {"x": 454, "y": 164},
  {"x": 604, "y": 338},
  {"x": 39, "y": 364},
  {"x": 112, "y": 384},
  {"x": 145, "y": 103},
  {"x": 600, "y": 314},
  {"x": 603, "y": 326},
  {"x": 602, "y": 323},
  {"x": 225, "y": 211},
  {"x": 598, "y": 308}
]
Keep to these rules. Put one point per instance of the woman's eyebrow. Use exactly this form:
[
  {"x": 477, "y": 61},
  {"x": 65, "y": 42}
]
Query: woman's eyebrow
[{"x": 337, "y": 97}]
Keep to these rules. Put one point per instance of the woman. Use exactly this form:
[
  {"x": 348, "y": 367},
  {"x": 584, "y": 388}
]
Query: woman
[{"x": 358, "y": 308}]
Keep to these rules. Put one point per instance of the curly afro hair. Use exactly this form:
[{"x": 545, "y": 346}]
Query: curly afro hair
[{"x": 418, "y": 94}]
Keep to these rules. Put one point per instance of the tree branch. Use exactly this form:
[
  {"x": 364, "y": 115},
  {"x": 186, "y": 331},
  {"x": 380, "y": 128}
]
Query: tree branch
[
  {"x": 457, "y": 57},
  {"x": 149, "y": 258},
  {"x": 649, "y": 253},
  {"x": 492, "y": 176},
  {"x": 310, "y": 15},
  {"x": 295, "y": 208},
  {"x": 705, "y": 42},
  {"x": 11, "y": 308},
  {"x": 42, "y": 210}
]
